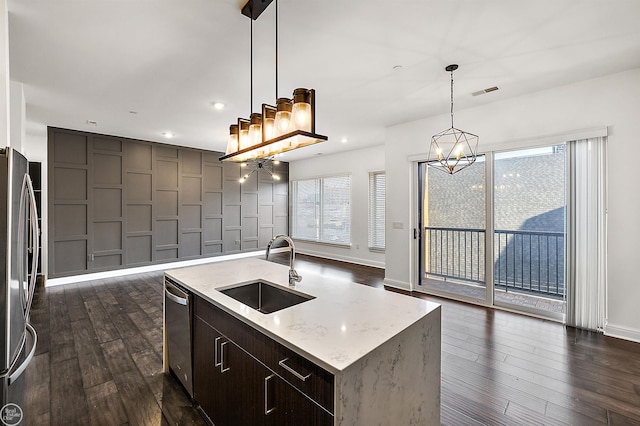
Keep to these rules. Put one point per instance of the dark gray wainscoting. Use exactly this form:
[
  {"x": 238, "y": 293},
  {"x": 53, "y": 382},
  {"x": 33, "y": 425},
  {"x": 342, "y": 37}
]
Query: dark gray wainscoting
[{"x": 116, "y": 203}]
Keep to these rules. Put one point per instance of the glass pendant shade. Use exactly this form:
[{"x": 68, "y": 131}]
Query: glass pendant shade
[
  {"x": 301, "y": 112},
  {"x": 283, "y": 116},
  {"x": 268, "y": 122},
  {"x": 232, "y": 144},
  {"x": 243, "y": 135},
  {"x": 255, "y": 129}
]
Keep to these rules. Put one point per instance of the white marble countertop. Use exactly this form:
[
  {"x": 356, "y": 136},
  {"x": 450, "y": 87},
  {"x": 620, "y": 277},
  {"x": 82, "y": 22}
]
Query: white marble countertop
[{"x": 343, "y": 323}]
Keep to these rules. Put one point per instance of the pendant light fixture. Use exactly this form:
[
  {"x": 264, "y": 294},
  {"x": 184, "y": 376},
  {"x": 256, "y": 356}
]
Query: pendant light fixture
[
  {"x": 265, "y": 164},
  {"x": 277, "y": 129},
  {"x": 453, "y": 149}
]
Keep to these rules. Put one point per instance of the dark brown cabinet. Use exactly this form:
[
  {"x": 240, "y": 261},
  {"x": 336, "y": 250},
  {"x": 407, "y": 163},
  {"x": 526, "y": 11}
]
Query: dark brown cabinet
[
  {"x": 234, "y": 386},
  {"x": 292, "y": 407},
  {"x": 227, "y": 380}
]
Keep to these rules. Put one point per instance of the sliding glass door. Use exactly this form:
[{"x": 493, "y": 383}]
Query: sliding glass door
[
  {"x": 529, "y": 207},
  {"x": 453, "y": 232},
  {"x": 495, "y": 233}
]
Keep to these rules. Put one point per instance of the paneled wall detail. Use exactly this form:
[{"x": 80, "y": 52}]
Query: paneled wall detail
[
  {"x": 232, "y": 207},
  {"x": 106, "y": 216},
  {"x": 140, "y": 239},
  {"x": 212, "y": 210},
  {"x": 273, "y": 204},
  {"x": 117, "y": 203},
  {"x": 68, "y": 214},
  {"x": 250, "y": 213}
]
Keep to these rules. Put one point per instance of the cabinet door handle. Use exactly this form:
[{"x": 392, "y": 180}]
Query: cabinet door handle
[
  {"x": 292, "y": 371},
  {"x": 216, "y": 358},
  {"x": 222, "y": 367},
  {"x": 267, "y": 410}
]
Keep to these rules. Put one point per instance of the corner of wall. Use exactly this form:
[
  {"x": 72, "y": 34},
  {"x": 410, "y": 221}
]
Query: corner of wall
[
  {"x": 348, "y": 259},
  {"x": 621, "y": 332},
  {"x": 397, "y": 284}
]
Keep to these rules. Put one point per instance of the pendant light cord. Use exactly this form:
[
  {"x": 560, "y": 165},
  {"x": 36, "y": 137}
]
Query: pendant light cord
[{"x": 452, "y": 99}]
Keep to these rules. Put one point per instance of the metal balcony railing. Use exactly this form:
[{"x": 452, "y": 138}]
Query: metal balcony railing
[
  {"x": 529, "y": 261},
  {"x": 456, "y": 253}
]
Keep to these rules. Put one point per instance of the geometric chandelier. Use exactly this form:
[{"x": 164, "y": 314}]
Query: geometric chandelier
[
  {"x": 289, "y": 125},
  {"x": 453, "y": 149}
]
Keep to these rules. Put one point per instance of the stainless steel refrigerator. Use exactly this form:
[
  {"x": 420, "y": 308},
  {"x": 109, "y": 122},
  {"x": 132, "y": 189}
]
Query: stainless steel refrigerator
[{"x": 18, "y": 269}]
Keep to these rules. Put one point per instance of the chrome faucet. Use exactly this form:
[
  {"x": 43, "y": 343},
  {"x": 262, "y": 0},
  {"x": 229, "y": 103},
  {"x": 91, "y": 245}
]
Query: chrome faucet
[{"x": 294, "y": 277}]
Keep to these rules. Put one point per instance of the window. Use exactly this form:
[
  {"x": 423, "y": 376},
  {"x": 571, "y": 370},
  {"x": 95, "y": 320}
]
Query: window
[
  {"x": 322, "y": 209},
  {"x": 376, "y": 210}
]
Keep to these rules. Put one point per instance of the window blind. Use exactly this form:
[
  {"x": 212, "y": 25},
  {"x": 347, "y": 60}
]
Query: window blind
[
  {"x": 322, "y": 209},
  {"x": 377, "y": 194}
]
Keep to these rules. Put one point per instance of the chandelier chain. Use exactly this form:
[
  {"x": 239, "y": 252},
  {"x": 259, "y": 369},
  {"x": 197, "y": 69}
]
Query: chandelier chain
[{"x": 451, "y": 99}]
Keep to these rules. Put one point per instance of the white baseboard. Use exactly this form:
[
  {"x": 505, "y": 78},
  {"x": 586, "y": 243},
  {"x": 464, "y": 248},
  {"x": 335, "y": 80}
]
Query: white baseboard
[
  {"x": 348, "y": 259},
  {"x": 397, "y": 284},
  {"x": 151, "y": 268},
  {"x": 620, "y": 332}
]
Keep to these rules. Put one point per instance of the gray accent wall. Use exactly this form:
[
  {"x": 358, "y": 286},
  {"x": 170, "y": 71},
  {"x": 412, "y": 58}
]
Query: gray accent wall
[{"x": 116, "y": 203}]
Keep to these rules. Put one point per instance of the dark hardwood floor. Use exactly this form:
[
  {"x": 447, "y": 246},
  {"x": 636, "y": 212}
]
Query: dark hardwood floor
[{"x": 99, "y": 361}]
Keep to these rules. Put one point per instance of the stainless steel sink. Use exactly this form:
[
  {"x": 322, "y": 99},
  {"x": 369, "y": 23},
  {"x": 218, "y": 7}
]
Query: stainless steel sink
[{"x": 265, "y": 297}]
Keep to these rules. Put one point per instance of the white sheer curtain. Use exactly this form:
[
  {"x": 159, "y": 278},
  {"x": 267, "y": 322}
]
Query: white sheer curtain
[{"x": 587, "y": 266}]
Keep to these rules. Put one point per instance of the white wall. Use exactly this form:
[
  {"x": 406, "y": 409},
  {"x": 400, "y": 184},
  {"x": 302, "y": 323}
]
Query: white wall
[
  {"x": 358, "y": 164},
  {"x": 17, "y": 115},
  {"x": 4, "y": 75},
  {"x": 612, "y": 101}
]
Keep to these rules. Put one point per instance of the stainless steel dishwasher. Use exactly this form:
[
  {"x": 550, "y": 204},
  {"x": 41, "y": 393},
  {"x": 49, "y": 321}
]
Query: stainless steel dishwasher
[{"x": 177, "y": 302}]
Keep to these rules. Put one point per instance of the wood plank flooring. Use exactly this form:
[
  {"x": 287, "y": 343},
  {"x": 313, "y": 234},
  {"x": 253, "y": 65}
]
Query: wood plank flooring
[{"x": 99, "y": 361}]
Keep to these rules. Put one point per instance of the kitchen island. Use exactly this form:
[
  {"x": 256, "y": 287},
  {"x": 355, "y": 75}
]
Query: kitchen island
[{"x": 362, "y": 356}]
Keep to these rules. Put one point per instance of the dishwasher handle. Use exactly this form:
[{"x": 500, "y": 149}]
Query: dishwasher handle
[{"x": 177, "y": 299}]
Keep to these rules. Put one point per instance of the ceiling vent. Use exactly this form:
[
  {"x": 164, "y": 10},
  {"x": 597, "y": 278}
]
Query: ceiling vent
[{"x": 482, "y": 92}]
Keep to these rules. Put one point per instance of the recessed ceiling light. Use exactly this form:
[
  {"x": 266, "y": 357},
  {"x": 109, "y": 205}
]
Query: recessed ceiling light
[
  {"x": 133, "y": 112},
  {"x": 167, "y": 135},
  {"x": 344, "y": 140},
  {"x": 218, "y": 105},
  {"x": 92, "y": 122},
  {"x": 397, "y": 67}
]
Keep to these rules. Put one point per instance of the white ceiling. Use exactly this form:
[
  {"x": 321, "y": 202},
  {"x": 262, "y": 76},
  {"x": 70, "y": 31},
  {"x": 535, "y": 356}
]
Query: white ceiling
[{"x": 169, "y": 60}]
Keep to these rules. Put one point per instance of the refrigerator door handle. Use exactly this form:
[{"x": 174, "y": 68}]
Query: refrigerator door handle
[
  {"x": 22, "y": 244},
  {"x": 18, "y": 371},
  {"x": 35, "y": 243}
]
